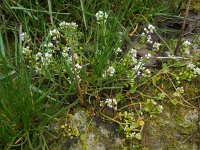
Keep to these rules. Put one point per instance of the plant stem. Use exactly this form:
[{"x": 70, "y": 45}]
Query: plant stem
[
  {"x": 183, "y": 27},
  {"x": 78, "y": 88}
]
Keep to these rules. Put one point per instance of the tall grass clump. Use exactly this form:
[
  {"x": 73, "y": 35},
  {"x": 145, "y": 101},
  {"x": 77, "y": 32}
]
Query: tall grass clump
[{"x": 25, "y": 109}]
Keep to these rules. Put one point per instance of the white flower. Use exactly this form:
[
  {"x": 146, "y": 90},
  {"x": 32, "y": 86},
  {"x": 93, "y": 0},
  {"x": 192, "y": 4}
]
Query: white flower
[
  {"x": 62, "y": 24},
  {"x": 104, "y": 75},
  {"x": 180, "y": 89},
  {"x": 196, "y": 71},
  {"x": 147, "y": 31},
  {"x": 186, "y": 43},
  {"x": 156, "y": 46},
  {"x": 78, "y": 66},
  {"x": 26, "y": 50},
  {"x": 46, "y": 60},
  {"x": 133, "y": 55},
  {"x": 147, "y": 73},
  {"x": 149, "y": 39},
  {"x": 153, "y": 102},
  {"x": 139, "y": 67},
  {"x": 66, "y": 49},
  {"x": 55, "y": 38},
  {"x": 23, "y": 36},
  {"x": 147, "y": 56},
  {"x": 160, "y": 108},
  {"x": 185, "y": 49},
  {"x": 118, "y": 50},
  {"x": 54, "y": 32},
  {"x": 48, "y": 55},
  {"x": 133, "y": 52},
  {"x": 143, "y": 34},
  {"x": 151, "y": 28},
  {"x": 38, "y": 55},
  {"x": 191, "y": 66},
  {"x": 50, "y": 44},
  {"x": 101, "y": 16},
  {"x": 112, "y": 103},
  {"x": 64, "y": 54},
  {"x": 67, "y": 25},
  {"x": 111, "y": 71},
  {"x": 132, "y": 135},
  {"x": 76, "y": 56}
]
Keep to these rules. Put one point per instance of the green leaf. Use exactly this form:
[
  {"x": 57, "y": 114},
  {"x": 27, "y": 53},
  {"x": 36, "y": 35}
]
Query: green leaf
[
  {"x": 178, "y": 64},
  {"x": 83, "y": 137},
  {"x": 154, "y": 80},
  {"x": 133, "y": 89},
  {"x": 147, "y": 106},
  {"x": 174, "y": 101},
  {"x": 164, "y": 66}
]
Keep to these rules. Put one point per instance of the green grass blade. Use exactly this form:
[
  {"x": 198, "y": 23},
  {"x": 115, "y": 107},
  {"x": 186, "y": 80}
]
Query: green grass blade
[
  {"x": 2, "y": 46},
  {"x": 50, "y": 11},
  {"x": 83, "y": 11}
]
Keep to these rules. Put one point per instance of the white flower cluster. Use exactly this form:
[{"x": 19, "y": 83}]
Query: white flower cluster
[
  {"x": 46, "y": 60},
  {"x": 66, "y": 51},
  {"x": 110, "y": 72},
  {"x": 54, "y": 33},
  {"x": 186, "y": 43},
  {"x": 55, "y": 50},
  {"x": 131, "y": 57},
  {"x": 141, "y": 70},
  {"x": 27, "y": 52},
  {"x": 150, "y": 29},
  {"x": 24, "y": 37},
  {"x": 147, "y": 73},
  {"x": 68, "y": 25},
  {"x": 38, "y": 56},
  {"x": 138, "y": 68},
  {"x": 49, "y": 45},
  {"x": 101, "y": 17},
  {"x": 78, "y": 66},
  {"x": 179, "y": 91},
  {"x": 156, "y": 46},
  {"x": 147, "y": 56},
  {"x": 147, "y": 34},
  {"x": 185, "y": 48},
  {"x": 110, "y": 102},
  {"x": 159, "y": 107},
  {"x": 118, "y": 50},
  {"x": 196, "y": 70}
]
